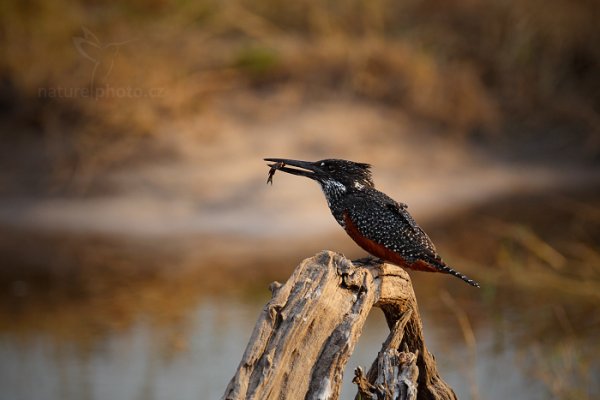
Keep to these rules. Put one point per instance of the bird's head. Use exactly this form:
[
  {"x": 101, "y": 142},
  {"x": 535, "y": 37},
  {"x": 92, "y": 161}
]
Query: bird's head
[{"x": 335, "y": 176}]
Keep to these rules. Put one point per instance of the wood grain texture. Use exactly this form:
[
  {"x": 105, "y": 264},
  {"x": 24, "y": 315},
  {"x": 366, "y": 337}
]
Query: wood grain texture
[{"x": 306, "y": 333}]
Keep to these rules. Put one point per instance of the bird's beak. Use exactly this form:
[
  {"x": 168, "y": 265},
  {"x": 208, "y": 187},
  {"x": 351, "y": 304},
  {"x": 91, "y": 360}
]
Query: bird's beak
[{"x": 307, "y": 168}]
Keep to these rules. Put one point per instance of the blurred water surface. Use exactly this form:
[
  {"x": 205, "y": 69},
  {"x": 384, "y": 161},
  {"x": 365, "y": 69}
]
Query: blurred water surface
[
  {"x": 96, "y": 305},
  {"x": 195, "y": 357}
]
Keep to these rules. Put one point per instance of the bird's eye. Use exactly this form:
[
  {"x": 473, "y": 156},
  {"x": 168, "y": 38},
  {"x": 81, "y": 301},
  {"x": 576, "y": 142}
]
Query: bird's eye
[{"x": 322, "y": 164}]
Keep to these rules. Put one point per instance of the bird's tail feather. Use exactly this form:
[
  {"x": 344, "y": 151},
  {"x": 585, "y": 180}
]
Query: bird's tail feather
[{"x": 443, "y": 267}]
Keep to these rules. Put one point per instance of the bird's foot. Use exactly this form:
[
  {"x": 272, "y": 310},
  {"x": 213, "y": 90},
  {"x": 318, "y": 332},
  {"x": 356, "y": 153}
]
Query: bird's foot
[{"x": 370, "y": 260}]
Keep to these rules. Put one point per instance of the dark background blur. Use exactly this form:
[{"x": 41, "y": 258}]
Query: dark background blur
[{"x": 138, "y": 237}]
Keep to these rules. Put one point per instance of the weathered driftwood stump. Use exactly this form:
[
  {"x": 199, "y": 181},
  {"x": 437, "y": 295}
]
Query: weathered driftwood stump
[{"x": 307, "y": 331}]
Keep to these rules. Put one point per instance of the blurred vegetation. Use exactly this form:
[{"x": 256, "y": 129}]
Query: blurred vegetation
[
  {"x": 539, "y": 265},
  {"x": 476, "y": 68},
  {"x": 557, "y": 243}
]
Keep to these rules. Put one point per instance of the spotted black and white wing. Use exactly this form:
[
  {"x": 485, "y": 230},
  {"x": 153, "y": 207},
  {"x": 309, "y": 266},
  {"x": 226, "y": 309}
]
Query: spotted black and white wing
[{"x": 389, "y": 224}]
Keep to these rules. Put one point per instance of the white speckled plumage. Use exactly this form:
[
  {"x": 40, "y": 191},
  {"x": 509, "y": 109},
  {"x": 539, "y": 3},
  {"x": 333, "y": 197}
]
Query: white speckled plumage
[{"x": 378, "y": 217}]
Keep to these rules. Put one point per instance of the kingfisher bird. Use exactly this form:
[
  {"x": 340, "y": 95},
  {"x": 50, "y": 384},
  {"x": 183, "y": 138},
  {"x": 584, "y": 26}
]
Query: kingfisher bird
[{"x": 377, "y": 223}]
